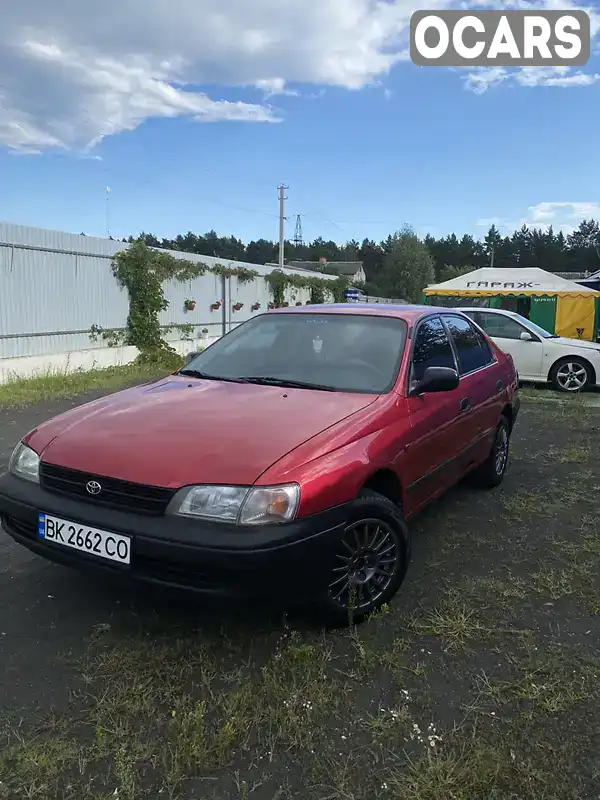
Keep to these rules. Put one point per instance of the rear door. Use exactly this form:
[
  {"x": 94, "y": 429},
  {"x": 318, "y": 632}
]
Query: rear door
[
  {"x": 481, "y": 389},
  {"x": 434, "y": 418},
  {"x": 506, "y": 332}
]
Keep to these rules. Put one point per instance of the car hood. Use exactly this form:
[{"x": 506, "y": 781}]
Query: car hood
[
  {"x": 577, "y": 343},
  {"x": 177, "y": 432}
]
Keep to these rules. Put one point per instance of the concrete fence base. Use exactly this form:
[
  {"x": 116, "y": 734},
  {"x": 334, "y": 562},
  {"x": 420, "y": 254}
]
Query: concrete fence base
[{"x": 77, "y": 360}]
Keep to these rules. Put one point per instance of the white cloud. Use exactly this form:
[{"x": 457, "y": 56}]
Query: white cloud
[
  {"x": 484, "y": 78},
  {"x": 275, "y": 86},
  {"x": 561, "y": 216},
  {"x": 555, "y": 76},
  {"x": 70, "y": 75}
]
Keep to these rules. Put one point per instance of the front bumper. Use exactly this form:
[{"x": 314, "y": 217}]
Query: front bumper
[{"x": 293, "y": 560}]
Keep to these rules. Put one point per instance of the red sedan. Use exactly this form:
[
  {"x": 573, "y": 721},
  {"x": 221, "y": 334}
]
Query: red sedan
[{"x": 284, "y": 460}]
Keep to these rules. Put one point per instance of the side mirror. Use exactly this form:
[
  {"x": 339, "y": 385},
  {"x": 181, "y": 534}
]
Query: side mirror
[
  {"x": 437, "y": 379},
  {"x": 190, "y": 356},
  {"x": 526, "y": 337}
]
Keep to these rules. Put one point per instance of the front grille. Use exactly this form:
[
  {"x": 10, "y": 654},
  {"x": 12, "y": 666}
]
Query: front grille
[{"x": 123, "y": 495}]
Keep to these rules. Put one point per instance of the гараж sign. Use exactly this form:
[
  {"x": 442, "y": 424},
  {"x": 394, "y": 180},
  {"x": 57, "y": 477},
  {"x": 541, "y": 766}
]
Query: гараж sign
[{"x": 499, "y": 284}]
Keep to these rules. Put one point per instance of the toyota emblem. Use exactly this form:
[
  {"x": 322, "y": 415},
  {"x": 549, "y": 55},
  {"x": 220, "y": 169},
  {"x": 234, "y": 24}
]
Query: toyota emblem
[{"x": 93, "y": 487}]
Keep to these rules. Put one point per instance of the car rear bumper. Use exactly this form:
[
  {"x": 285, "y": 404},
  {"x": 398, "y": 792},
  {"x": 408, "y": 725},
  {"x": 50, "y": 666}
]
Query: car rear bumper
[{"x": 292, "y": 561}]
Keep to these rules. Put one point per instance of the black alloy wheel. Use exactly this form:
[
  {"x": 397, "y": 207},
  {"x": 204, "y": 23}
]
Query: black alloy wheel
[{"x": 370, "y": 562}]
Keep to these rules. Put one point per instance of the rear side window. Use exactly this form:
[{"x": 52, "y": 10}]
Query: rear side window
[
  {"x": 432, "y": 348},
  {"x": 472, "y": 349}
]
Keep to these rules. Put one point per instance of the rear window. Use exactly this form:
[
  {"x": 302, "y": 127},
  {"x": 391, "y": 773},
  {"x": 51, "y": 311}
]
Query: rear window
[{"x": 472, "y": 348}]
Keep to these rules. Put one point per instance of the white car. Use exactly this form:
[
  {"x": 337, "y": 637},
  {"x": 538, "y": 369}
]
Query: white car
[{"x": 569, "y": 364}]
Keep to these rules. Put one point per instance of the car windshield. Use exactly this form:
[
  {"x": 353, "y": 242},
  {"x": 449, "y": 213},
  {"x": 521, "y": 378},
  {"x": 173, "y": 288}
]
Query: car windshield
[
  {"x": 331, "y": 352},
  {"x": 529, "y": 324}
]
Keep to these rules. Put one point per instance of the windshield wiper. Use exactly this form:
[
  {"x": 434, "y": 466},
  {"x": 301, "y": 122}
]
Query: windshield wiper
[
  {"x": 267, "y": 380},
  {"x": 194, "y": 373}
]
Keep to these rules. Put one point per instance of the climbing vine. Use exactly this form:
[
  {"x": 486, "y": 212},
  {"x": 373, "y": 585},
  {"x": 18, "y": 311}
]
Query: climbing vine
[
  {"x": 243, "y": 274},
  {"x": 142, "y": 272},
  {"x": 321, "y": 289}
]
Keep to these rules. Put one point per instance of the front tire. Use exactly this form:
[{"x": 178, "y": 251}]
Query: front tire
[
  {"x": 370, "y": 563},
  {"x": 571, "y": 375},
  {"x": 491, "y": 473}
]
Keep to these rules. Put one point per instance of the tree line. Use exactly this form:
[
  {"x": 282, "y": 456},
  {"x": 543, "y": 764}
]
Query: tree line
[{"x": 403, "y": 264}]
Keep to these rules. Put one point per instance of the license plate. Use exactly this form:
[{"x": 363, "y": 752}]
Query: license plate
[{"x": 101, "y": 544}]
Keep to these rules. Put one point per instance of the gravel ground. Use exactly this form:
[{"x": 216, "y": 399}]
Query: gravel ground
[{"x": 479, "y": 682}]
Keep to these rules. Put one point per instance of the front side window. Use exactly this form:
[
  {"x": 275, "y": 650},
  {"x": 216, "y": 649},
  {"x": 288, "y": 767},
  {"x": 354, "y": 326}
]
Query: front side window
[
  {"x": 501, "y": 326},
  {"x": 472, "y": 349},
  {"x": 532, "y": 326},
  {"x": 432, "y": 348},
  {"x": 339, "y": 352}
]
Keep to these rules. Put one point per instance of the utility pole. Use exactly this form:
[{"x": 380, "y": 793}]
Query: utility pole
[
  {"x": 492, "y": 256},
  {"x": 107, "y": 210},
  {"x": 282, "y": 199}
]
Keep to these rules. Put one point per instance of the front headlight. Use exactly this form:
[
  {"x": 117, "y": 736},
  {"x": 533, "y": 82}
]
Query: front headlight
[
  {"x": 244, "y": 505},
  {"x": 25, "y": 463}
]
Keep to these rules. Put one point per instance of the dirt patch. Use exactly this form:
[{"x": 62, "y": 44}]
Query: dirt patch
[{"x": 480, "y": 681}]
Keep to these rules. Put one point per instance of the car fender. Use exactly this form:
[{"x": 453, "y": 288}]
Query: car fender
[{"x": 574, "y": 355}]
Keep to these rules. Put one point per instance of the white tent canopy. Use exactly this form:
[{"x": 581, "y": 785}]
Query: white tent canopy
[{"x": 492, "y": 281}]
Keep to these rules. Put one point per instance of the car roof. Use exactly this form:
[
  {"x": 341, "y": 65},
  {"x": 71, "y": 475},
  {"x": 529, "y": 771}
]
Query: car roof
[
  {"x": 409, "y": 313},
  {"x": 491, "y": 310}
]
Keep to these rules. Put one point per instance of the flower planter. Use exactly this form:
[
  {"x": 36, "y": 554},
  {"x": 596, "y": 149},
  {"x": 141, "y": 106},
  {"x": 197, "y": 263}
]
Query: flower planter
[
  {"x": 190, "y": 305},
  {"x": 215, "y": 306},
  {"x": 256, "y": 307},
  {"x": 238, "y": 306}
]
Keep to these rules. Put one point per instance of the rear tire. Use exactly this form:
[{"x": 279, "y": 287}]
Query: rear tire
[
  {"x": 371, "y": 561},
  {"x": 571, "y": 375},
  {"x": 491, "y": 473}
]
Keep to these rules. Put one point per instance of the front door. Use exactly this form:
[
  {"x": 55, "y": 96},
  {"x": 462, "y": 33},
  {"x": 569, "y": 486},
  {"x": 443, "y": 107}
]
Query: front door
[
  {"x": 506, "y": 332},
  {"x": 481, "y": 386},
  {"x": 434, "y": 418}
]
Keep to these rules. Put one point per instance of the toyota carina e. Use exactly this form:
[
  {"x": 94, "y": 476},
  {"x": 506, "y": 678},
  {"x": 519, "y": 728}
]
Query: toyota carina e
[{"x": 283, "y": 461}]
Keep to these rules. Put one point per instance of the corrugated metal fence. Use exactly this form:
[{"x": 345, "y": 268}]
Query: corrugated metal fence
[{"x": 54, "y": 286}]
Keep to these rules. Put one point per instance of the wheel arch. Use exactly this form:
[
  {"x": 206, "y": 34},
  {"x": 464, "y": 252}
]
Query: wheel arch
[
  {"x": 508, "y": 413},
  {"x": 386, "y": 482},
  {"x": 562, "y": 359}
]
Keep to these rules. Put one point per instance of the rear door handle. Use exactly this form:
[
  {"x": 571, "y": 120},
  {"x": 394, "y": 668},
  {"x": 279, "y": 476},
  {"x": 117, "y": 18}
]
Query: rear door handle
[
  {"x": 499, "y": 386},
  {"x": 465, "y": 405}
]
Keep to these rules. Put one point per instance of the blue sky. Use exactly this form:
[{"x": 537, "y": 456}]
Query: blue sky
[{"x": 365, "y": 140}]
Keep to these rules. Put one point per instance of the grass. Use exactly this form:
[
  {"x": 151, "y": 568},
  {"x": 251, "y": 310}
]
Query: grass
[
  {"x": 479, "y": 682},
  {"x": 56, "y": 384}
]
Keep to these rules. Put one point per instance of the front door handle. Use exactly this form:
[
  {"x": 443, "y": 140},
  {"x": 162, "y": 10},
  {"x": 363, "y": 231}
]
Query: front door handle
[
  {"x": 499, "y": 386},
  {"x": 465, "y": 405}
]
